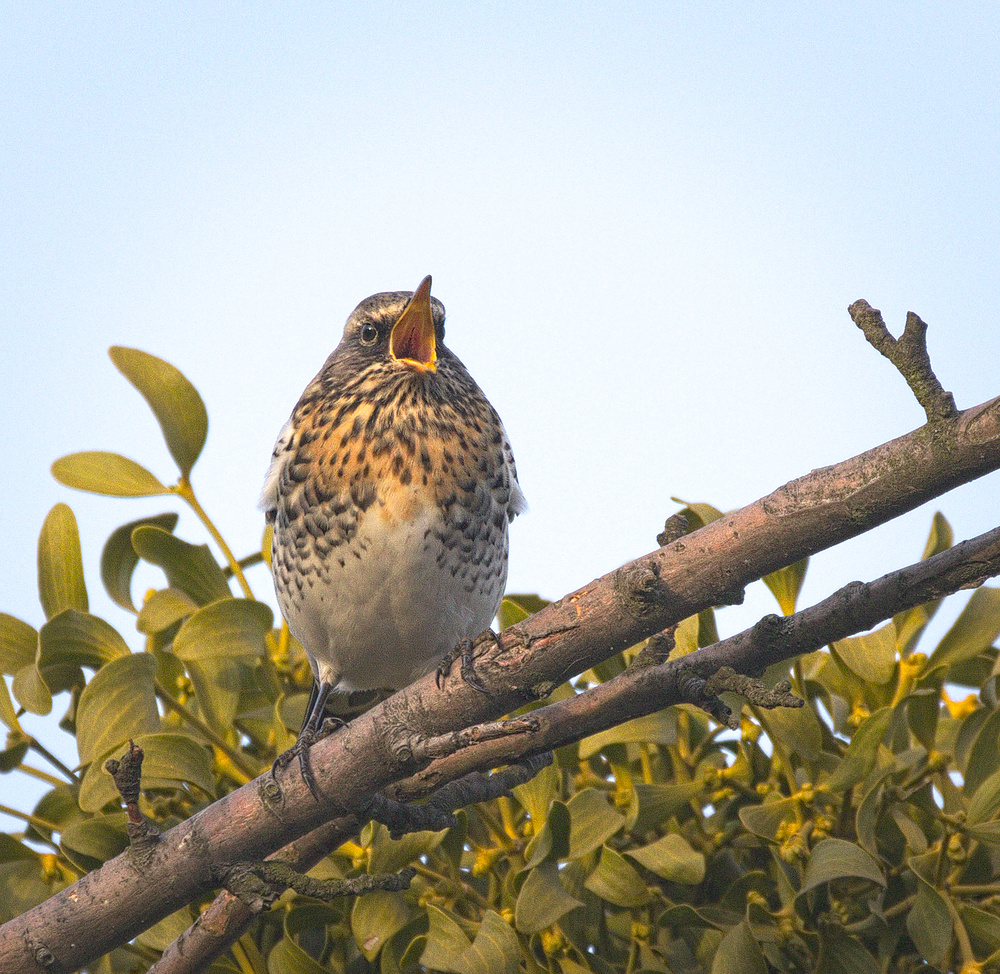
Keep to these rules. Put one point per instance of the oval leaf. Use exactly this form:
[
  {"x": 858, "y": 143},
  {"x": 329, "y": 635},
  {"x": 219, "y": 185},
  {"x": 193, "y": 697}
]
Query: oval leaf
[
  {"x": 117, "y": 704},
  {"x": 18, "y": 644},
  {"x": 60, "y": 565},
  {"x": 495, "y": 949},
  {"x": 871, "y": 656},
  {"x": 118, "y": 559},
  {"x": 175, "y": 402},
  {"x": 974, "y": 630},
  {"x": 446, "y": 941},
  {"x": 229, "y": 627},
  {"x": 375, "y": 917},
  {"x": 739, "y": 953},
  {"x": 80, "y": 639},
  {"x": 616, "y": 881},
  {"x": 92, "y": 842},
  {"x": 592, "y": 822},
  {"x": 671, "y": 858},
  {"x": 542, "y": 900},
  {"x": 786, "y": 583},
  {"x": 191, "y": 568},
  {"x": 837, "y": 859},
  {"x": 100, "y": 472}
]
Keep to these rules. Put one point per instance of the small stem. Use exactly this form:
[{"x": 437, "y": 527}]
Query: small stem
[
  {"x": 40, "y": 748},
  {"x": 185, "y": 714},
  {"x": 50, "y": 779},
  {"x": 39, "y": 823},
  {"x": 183, "y": 490}
]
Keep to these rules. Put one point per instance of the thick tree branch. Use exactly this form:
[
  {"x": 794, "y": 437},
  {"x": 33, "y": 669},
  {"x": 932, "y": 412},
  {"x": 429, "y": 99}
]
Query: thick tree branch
[
  {"x": 114, "y": 903},
  {"x": 228, "y": 917}
]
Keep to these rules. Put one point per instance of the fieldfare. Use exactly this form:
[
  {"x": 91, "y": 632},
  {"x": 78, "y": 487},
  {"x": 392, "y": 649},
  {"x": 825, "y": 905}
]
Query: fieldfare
[{"x": 390, "y": 490}]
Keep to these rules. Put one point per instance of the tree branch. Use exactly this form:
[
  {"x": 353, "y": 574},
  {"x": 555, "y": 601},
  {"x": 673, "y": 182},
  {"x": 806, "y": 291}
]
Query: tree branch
[
  {"x": 909, "y": 355},
  {"x": 116, "y": 902}
]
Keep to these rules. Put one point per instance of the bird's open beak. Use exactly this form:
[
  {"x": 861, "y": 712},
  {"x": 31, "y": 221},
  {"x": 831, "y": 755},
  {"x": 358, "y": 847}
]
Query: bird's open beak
[{"x": 412, "y": 340}]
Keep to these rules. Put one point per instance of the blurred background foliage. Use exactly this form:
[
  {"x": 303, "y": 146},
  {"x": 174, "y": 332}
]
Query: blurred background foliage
[{"x": 858, "y": 834}]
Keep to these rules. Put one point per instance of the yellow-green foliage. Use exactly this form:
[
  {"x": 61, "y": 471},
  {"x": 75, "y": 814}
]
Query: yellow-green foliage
[{"x": 857, "y": 834}]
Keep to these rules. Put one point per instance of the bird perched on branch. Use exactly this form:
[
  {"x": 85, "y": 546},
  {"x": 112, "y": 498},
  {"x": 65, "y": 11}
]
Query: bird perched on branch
[{"x": 390, "y": 490}]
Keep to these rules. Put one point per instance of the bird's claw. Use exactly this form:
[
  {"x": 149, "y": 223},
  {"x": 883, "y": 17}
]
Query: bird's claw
[
  {"x": 464, "y": 651},
  {"x": 300, "y": 750}
]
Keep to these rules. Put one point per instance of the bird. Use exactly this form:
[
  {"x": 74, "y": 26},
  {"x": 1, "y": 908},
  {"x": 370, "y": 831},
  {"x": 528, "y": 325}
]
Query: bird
[{"x": 390, "y": 491}]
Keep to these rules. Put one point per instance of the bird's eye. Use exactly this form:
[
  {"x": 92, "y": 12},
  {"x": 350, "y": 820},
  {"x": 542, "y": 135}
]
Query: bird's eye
[{"x": 369, "y": 334}]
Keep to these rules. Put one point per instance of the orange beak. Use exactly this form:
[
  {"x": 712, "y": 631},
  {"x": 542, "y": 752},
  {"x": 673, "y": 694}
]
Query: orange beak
[{"x": 412, "y": 340}]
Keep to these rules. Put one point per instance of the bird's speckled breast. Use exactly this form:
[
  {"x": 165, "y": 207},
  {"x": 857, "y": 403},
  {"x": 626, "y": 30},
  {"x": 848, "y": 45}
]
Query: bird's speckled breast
[{"x": 390, "y": 532}]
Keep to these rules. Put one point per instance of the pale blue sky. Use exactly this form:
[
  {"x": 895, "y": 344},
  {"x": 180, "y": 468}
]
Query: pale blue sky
[{"x": 646, "y": 221}]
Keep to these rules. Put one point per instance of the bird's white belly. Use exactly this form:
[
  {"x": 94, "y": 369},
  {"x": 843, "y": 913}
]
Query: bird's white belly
[{"x": 399, "y": 601}]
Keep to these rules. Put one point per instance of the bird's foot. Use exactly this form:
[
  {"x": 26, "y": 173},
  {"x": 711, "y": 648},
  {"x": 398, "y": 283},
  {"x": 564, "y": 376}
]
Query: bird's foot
[
  {"x": 464, "y": 651},
  {"x": 300, "y": 750}
]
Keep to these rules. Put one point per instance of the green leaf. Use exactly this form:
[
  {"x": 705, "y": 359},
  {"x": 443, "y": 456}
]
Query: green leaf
[
  {"x": 542, "y": 900},
  {"x": 191, "y": 568},
  {"x": 985, "y": 801},
  {"x": 929, "y": 923},
  {"x": 375, "y": 917},
  {"x": 100, "y": 472},
  {"x": 80, "y": 639},
  {"x": 984, "y": 755},
  {"x": 616, "y": 881},
  {"x": 229, "y": 627},
  {"x": 872, "y": 656},
  {"x": 60, "y": 565},
  {"x": 170, "y": 760},
  {"x": 698, "y": 514},
  {"x": 516, "y": 608},
  {"x": 653, "y": 803},
  {"x": 118, "y": 559},
  {"x": 786, "y": 583},
  {"x": 18, "y": 644},
  {"x": 656, "y": 728},
  {"x": 495, "y": 949},
  {"x": 389, "y": 855},
  {"x": 161, "y": 935},
  {"x": 551, "y": 842},
  {"x": 765, "y": 820},
  {"x": 836, "y": 859},
  {"x": 8, "y": 715},
  {"x": 117, "y": 704},
  {"x": 164, "y": 608},
  {"x": 983, "y": 928},
  {"x": 739, "y": 953},
  {"x": 592, "y": 822},
  {"x": 287, "y": 957},
  {"x": 797, "y": 728},
  {"x": 536, "y": 795},
  {"x": 21, "y": 883},
  {"x": 92, "y": 842},
  {"x": 446, "y": 941},
  {"x": 843, "y": 954},
  {"x": 974, "y": 630},
  {"x": 175, "y": 402},
  {"x": 30, "y": 690},
  {"x": 859, "y": 758},
  {"x": 941, "y": 537},
  {"x": 671, "y": 858}
]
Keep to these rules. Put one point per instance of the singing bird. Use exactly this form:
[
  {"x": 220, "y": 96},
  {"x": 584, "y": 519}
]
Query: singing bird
[{"x": 390, "y": 490}]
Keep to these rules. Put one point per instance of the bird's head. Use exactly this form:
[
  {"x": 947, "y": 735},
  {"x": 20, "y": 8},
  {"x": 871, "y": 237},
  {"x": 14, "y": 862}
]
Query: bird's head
[{"x": 403, "y": 328}]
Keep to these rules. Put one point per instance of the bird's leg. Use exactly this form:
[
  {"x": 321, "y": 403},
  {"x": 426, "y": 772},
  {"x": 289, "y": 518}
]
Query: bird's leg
[
  {"x": 464, "y": 651},
  {"x": 314, "y": 728}
]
